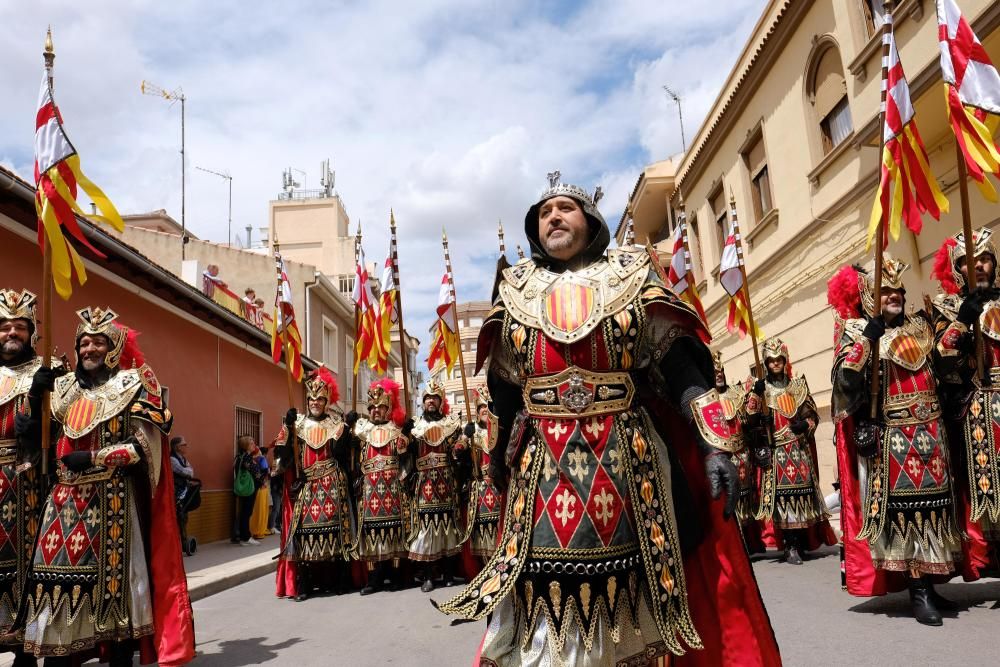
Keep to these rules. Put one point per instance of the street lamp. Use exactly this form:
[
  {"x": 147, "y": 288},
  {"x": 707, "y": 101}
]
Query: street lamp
[
  {"x": 226, "y": 175},
  {"x": 680, "y": 115}
]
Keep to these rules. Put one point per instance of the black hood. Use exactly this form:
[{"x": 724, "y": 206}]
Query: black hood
[{"x": 600, "y": 238}]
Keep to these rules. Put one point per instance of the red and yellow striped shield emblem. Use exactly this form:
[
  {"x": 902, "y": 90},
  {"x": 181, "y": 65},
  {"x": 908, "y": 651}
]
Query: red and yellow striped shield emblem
[
  {"x": 7, "y": 383},
  {"x": 906, "y": 348},
  {"x": 434, "y": 434},
  {"x": 990, "y": 320},
  {"x": 80, "y": 414},
  {"x": 569, "y": 305},
  {"x": 785, "y": 403},
  {"x": 314, "y": 436},
  {"x": 728, "y": 408}
]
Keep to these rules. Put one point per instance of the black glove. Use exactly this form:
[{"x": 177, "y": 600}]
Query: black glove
[
  {"x": 758, "y": 387},
  {"x": 351, "y": 419},
  {"x": 283, "y": 452},
  {"x": 799, "y": 426},
  {"x": 291, "y": 416},
  {"x": 972, "y": 307},
  {"x": 722, "y": 476},
  {"x": 875, "y": 329},
  {"x": 470, "y": 430},
  {"x": 77, "y": 461},
  {"x": 44, "y": 380},
  {"x": 25, "y": 425},
  {"x": 763, "y": 457},
  {"x": 866, "y": 437},
  {"x": 407, "y": 427}
]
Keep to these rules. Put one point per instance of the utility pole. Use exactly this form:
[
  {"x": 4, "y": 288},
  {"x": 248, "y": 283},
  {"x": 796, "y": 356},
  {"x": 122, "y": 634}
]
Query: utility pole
[
  {"x": 148, "y": 88},
  {"x": 680, "y": 114},
  {"x": 226, "y": 175}
]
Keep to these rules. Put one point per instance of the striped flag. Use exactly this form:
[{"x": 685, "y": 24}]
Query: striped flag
[
  {"x": 285, "y": 334},
  {"x": 907, "y": 189},
  {"x": 363, "y": 298},
  {"x": 972, "y": 90},
  {"x": 731, "y": 277},
  {"x": 57, "y": 175},
  {"x": 444, "y": 344},
  {"x": 679, "y": 276},
  {"x": 385, "y": 317}
]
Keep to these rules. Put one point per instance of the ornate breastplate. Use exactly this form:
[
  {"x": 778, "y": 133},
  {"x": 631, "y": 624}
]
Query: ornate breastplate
[
  {"x": 378, "y": 436},
  {"x": 317, "y": 433},
  {"x": 567, "y": 306},
  {"x": 732, "y": 401},
  {"x": 786, "y": 400},
  {"x": 908, "y": 345},
  {"x": 81, "y": 410},
  {"x": 16, "y": 380},
  {"x": 435, "y": 433}
]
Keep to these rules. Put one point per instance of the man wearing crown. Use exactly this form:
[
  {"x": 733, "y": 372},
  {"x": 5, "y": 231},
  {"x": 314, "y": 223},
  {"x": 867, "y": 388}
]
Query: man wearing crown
[
  {"x": 895, "y": 475},
  {"x": 107, "y": 573},
  {"x": 438, "y": 438},
  {"x": 970, "y": 389},
  {"x": 791, "y": 504},
  {"x": 612, "y": 444},
  {"x": 317, "y": 532},
  {"x": 750, "y": 453},
  {"x": 381, "y": 447},
  {"x": 20, "y": 435},
  {"x": 483, "y": 513}
]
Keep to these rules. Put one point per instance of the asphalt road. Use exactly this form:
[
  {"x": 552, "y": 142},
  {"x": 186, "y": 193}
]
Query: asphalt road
[{"x": 816, "y": 624}]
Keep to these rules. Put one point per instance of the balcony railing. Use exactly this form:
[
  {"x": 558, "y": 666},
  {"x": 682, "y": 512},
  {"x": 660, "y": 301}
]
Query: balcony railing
[{"x": 216, "y": 290}]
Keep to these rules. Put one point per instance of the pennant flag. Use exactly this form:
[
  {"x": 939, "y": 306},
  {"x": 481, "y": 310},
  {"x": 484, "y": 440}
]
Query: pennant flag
[
  {"x": 385, "y": 317},
  {"x": 57, "y": 175},
  {"x": 444, "y": 344},
  {"x": 285, "y": 334},
  {"x": 972, "y": 92},
  {"x": 907, "y": 189},
  {"x": 731, "y": 277},
  {"x": 679, "y": 276},
  {"x": 364, "y": 336}
]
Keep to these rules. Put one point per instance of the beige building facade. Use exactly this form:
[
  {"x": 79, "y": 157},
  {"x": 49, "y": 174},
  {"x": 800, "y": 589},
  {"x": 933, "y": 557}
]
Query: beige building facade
[{"x": 793, "y": 138}]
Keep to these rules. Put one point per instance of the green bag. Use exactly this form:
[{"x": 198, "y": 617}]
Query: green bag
[{"x": 243, "y": 486}]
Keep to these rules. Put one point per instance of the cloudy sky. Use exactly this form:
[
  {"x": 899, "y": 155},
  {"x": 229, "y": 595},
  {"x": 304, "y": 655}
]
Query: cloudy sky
[{"x": 449, "y": 111}]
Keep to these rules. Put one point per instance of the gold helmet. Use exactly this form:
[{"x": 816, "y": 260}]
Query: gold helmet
[
  {"x": 386, "y": 392},
  {"x": 892, "y": 278},
  {"x": 950, "y": 258},
  {"x": 16, "y": 305},
  {"x": 774, "y": 348},
  {"x": 482, "y": 397},
  {"x": 322, "y": 384},
  {"x": 96, "y": 321},
  {"x": 434, "y": 388}
]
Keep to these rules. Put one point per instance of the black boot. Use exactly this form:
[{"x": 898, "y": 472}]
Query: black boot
[
  {"x": 302, "y": 583},
  {"x": 428, "y": 584},
  {"x": 22, "y": 659},
  {"x": 792, "y": 556},
  {"x": 922, "y": 605},
  {"x": 121, "y": 655},
  {"x": 375, "y": 576},
  {"x": 447, "y": 567},
  {"x": 940, "y": 601}
]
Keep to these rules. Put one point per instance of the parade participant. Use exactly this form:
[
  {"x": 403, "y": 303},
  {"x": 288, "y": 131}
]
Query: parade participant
[
  {"x": 790, "y": 499},
  {"x": 317, "y": 535},
  {"x": 484, "y": 499},
  {"x": 969, "y": 391},
  {"x": 382, "y": 442},
  {"x": 20, "y": 433},
  {"x": 750, "y": 452},
  {"x": 107, "y": 571},
  {"x": 896, "y": 486},
  {"x": 611, "y": 446},
  {"x": 437, "y": 535}
]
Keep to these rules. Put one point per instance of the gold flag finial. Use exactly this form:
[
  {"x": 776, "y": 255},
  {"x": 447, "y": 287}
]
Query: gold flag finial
[
  {"x": 444, "y": 235},
  {"x": 49, "y": 49},
  {"x": 392, "y": 218},
  {"x": 732, "y": 197}
]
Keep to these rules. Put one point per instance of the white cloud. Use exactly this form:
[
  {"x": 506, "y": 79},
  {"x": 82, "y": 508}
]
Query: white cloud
[{"x": 448, "y": 111}]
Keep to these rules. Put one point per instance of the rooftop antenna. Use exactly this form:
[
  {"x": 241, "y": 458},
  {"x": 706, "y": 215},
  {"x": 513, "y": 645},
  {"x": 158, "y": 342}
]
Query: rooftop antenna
[
  {"x": 680, "y": 115},
  {"x": 327, "y": 178},
  {"x": 173, "y": 96}
]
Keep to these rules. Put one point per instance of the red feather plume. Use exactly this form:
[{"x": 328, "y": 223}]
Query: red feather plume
[
  {"x": 843, "y": 293},
  {"x": 132, "y": 356},
  {"x": 324, "y": 374},
  {"x": 943, "y": 269},
  {"x": 391, "y": 387}
]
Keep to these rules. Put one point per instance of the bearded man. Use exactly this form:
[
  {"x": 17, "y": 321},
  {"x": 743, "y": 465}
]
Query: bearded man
[
  {"x": 612, "y": 445},
  {"x": 483, "y": 513},
  {"x": 107, "y": 572},
  {"x": 318, "y": 524}
]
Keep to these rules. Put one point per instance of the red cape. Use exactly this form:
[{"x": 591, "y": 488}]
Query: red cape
[{"x": 287, "y": 569}]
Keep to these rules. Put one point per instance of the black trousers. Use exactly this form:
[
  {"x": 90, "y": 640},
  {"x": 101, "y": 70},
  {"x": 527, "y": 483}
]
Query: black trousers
[{"x": 244, "y": 508}]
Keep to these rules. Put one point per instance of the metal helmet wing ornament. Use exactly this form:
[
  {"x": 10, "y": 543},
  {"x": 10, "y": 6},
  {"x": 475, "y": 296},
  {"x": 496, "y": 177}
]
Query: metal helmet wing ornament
[
  {"x": 951, "y": 256},
  {"x": 558, "y": 189},
  {"x": 322, "y": 384},
  {"x": 892, "y": 278},
  {"x": 16, "y": 305},
  {"x": 95, "y": 321}
]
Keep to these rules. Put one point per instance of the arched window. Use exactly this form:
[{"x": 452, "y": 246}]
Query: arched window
[{"x": 827, "y": 89}]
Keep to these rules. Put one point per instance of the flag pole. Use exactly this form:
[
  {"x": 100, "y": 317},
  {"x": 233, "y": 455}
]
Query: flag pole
[
  {"x": 970, "y": 260},
  {"x": 50, "y": 55},
  {"x": 286, "y": 346},
  {"x": 458, "y": 331},
  {"x": 357, "y": 325},
  {"x": 404, "y": 352},
  {"x": 746, "y": 285},
  {"x": 503, "y": 246},
  {"x": 881, "y": 231}
]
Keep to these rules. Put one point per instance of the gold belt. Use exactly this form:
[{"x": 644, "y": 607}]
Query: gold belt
[
  {"x": 379, "y": 463},
  {"x": 433, "y": 460},
  {"x": 8, "y": 451},
  {"x": 576, "y": 392},
  {"x": 319, "y": 470},
  {"x": 911, "y": 409}
]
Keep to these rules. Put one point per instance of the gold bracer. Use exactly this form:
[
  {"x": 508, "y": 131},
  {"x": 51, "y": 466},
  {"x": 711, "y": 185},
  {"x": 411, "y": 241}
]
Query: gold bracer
[
  {"x": 123, "y": 454},
  {"x": 576, "y": 392},
  {"x": 911, "y": 409},
  {"x": 710, "y": 418}
]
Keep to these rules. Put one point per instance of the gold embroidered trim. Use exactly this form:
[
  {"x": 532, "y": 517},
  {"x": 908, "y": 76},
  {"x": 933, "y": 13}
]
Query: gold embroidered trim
[{"x": 576, "y": 392}]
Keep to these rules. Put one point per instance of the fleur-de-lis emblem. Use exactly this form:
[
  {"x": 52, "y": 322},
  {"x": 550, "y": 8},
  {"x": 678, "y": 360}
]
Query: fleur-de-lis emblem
[
  {"x": 567, "y": 501},
  {"x": 605, "y": 502},
  {"x": 578, "y": 464}
]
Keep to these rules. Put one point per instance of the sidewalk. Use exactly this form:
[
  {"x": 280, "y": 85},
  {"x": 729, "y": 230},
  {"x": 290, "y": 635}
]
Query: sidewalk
[{"x": 222, "y": 565}]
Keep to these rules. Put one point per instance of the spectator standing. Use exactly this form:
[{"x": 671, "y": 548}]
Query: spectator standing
[{"x": 246, "y": 474}]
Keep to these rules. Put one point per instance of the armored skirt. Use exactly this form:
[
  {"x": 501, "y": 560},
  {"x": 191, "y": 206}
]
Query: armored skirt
[
  {"x": 436, "y": 522},
  {"x": 383, "y": 506}
]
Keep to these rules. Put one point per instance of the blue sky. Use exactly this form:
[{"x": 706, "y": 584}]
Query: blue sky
[{"x": 449, "y": 111}]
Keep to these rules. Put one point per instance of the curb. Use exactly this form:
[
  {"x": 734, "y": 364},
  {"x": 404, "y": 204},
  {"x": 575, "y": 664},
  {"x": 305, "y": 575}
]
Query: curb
[{"x": 212, "y": 580}]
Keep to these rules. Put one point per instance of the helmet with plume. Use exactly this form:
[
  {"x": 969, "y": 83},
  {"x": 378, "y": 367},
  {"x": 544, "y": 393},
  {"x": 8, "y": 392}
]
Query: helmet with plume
[
  {"x": 322, "y": 384},
  {"x": 951, "y": 255},
  {"x": 123, "y": 351},
  {"x": 386, "y": 392}
]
